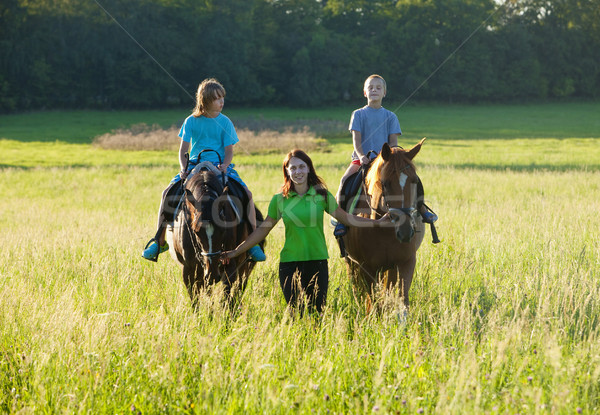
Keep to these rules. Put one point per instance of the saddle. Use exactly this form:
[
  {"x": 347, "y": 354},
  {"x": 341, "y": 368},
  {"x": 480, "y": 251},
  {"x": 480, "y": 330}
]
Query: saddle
[
  {"x": 238, "y": 197},
  {"x": 352, "y": 185},
  {"x": 349, "y": 191},
  {"x": 234, "y": 190}
]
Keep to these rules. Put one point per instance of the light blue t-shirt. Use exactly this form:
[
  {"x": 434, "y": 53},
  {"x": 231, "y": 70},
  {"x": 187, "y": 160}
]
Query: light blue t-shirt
[
  {"x": 375, "y": 126},
  {"x": 208, "y": 133}
]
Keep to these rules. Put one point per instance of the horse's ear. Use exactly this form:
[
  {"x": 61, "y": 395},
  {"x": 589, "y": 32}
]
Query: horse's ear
[
  {"x": 415, "y": 150},
  {"x": 386, "y": 151}
]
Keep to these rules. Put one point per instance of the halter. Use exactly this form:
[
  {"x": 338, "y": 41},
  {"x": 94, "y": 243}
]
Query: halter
[
  {"x": 397, "y": 213},
  {"x": 409, "y": 210},
  {"x": 198, "y": 248},
  {"x": 193, "y": 237}
]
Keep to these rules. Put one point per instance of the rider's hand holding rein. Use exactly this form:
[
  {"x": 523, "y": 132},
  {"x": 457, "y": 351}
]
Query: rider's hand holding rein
[{"x": 227, "y": 159}]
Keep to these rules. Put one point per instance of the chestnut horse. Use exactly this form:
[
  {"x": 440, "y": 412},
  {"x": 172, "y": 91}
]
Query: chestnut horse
[
  {"x": 381, "y": 255},
  {"x": 210, "y": 221}
]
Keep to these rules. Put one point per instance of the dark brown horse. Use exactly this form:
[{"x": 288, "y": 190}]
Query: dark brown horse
[
  {"x": 210, "y": 221},
  {"x": 386, "y": 256}
]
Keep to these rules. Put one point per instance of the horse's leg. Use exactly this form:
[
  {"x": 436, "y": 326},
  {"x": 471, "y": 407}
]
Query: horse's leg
[
  {"x": 189, "y": 279},
  {"x": 369, "y": 278},
  {"x": 357, "y": 285},
  {"x": 242, "y": 278},
  {"x": 390, "y": 281},
  {"x": 229, "y": 280},
  {"x": 406, "y": 272},
  {"x": 386, "y": 289},
  {"x": 193, "y": 276},
  {"x": 239, "y": 284}
]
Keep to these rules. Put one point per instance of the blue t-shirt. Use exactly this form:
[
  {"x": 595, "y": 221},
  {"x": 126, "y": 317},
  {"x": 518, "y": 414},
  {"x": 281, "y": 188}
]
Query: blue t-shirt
[
  {"x": 375, "y": 126},
  {"x": 208, "y": 133}
]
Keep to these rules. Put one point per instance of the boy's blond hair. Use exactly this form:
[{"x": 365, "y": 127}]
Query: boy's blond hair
[
  {"x": 375, "y": 76},
  {"x": 208, "y": 90}
]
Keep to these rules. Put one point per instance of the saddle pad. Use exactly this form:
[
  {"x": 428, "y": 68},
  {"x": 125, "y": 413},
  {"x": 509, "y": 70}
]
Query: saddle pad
[{"x": 351, "y": 186}]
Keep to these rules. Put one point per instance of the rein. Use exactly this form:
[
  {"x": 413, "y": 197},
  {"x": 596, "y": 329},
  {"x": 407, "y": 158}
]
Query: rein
[
  {"x": 397, "y": 215},
  {"x": 193, "y": 237},
  {"x": 408, "y": 211},
  {"x": 198, "y": 248}
]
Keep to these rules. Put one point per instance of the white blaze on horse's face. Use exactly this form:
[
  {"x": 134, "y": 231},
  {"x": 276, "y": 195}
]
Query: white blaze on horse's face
[
  {"x": 402, "y": 180},
  {"x": 210, "y": 231}
]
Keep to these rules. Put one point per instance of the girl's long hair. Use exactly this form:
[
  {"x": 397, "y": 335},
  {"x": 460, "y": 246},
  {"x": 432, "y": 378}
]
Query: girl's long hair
[
  {"x": 208, "y": 90},
  {"x": 312, "y": 180}
]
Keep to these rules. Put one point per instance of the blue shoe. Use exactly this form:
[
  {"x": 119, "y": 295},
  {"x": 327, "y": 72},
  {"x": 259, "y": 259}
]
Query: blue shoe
[
  {"x": 152, "y": 250},
  {"x": 340, "y": 230},
  {"x": 429, "y": 217},
  {"x": 257, "y": 254}
]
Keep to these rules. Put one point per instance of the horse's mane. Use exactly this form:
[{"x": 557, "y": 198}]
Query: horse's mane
[
  {"x": 202, "y": 183},
  {"x": 373, "y": 179},
  {"x": 205, "y": 179}
]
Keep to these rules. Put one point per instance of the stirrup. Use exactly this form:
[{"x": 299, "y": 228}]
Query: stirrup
[
  {"x": 429, "y": 216},
  {"x": 154, "y": 258},
  {"x": 161, "y": 249}
]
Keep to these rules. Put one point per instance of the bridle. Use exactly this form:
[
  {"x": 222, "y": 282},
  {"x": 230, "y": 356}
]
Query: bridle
[
  {"x": 197, "y": 246},
  {"x": 398, "y": 215}
]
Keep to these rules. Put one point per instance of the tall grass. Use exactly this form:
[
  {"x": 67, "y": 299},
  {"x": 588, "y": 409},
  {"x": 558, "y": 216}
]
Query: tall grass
[
  {"x": 142, "y": 137},
  {"x": 504, "y": 315}
]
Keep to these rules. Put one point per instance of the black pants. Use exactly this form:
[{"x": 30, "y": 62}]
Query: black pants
[
  {"x": 168, "y": 206},
  {"x": 304, "y": 281}
]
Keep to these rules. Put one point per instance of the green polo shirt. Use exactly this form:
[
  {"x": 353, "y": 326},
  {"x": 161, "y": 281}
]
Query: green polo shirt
[{"x": 303, "y": 220}]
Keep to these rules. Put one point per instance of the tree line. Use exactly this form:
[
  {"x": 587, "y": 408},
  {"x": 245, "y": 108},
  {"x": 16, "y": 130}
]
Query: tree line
[{"x": 115, "y": 54}]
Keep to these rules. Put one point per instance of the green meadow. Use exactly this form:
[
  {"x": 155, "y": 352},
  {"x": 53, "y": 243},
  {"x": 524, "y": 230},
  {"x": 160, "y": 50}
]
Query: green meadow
[{"x": 505, "y": 311}]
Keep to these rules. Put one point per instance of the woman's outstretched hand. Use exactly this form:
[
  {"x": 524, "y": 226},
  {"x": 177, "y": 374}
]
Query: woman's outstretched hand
[{"x": 228, "y": 255}]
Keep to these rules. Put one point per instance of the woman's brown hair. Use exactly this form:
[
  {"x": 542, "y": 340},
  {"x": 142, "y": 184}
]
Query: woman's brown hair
[{"x": 312, "y": 180}]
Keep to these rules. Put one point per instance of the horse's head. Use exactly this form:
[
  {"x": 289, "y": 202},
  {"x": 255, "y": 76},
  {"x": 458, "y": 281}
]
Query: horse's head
[
  {"x": 206, "y": 204},
  {"x": 392, "y": 184}
]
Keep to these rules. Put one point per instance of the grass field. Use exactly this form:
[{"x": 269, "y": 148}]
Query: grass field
[{"x": 505, "y": 311}]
